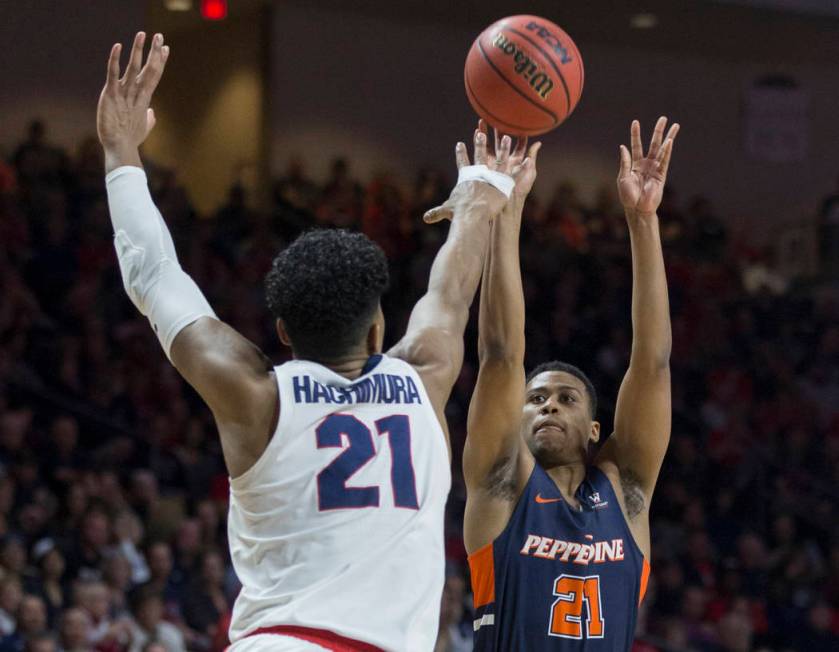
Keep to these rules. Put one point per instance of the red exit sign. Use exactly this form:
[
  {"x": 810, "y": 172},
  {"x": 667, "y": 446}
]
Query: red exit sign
[{"x": 214, "y": 9}]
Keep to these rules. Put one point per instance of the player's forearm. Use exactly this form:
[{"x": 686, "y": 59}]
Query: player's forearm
[
  {"x": 456, "y": 270},
  {"x": 651, "y": 334},
  {"x": 501, "y": 315}
]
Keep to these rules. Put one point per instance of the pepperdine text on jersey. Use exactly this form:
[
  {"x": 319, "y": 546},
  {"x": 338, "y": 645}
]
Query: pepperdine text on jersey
[{"x": 580, "y": 553}]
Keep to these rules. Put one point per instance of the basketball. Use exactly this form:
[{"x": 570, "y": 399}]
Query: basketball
[{"x": 523, "y": 75}]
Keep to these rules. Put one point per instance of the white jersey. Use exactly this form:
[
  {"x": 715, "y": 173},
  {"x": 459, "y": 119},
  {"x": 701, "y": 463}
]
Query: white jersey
[{"x": 339, "y": 525}]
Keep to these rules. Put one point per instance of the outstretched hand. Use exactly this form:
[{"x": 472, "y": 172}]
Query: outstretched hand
[
  {"x": 641, "y": 178},
  {"x": 123, "y": 116},
  {"x": 523, "y": 163},
  {"x": 515, "y": 164}
]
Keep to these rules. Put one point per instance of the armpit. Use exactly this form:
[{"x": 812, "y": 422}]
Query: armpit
[
  {"x": 633, "y": 496},
  {"x": 499, "y": 482}
]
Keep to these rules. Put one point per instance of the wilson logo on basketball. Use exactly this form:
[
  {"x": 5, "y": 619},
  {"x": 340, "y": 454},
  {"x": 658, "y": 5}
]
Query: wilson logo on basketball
[{"x": 524, "y": 66}]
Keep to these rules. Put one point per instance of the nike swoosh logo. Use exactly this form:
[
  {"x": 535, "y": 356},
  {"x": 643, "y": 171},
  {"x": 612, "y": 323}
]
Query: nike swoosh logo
[{"x": 543, "y": 501}]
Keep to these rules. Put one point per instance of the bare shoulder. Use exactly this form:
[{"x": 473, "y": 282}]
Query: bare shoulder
[
  {"x": 429, "y": 350},
  {"x": 436, "y": 356}
]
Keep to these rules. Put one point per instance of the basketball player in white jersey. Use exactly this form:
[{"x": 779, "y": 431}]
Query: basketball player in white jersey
[{"x": 338, "y": 460}]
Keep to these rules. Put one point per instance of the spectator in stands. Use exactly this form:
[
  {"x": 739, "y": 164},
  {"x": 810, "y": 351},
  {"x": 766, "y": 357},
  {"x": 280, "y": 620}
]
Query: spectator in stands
[
  {"x": 148, "y": 624},
  {"x": 31, "y": 621},
  {"x": 129, "y": 532},
  {"x": 116, "y": 573},
  {"x": 66, "y": 461},
  {"x": 204, "y": 601},
  {"x": 452, "y": 635},
  {"x": 75, "y": 630},
  {"x": 86, "y": 551},
  {"x": 162, "y": 577},
  {"x": 48, "y": 583},
  {"x": 11, "y": 594},
  {"x": 106, "y": 632},
  {"x": 43, "y": 642},
  {"x": 38, "y": 164}
]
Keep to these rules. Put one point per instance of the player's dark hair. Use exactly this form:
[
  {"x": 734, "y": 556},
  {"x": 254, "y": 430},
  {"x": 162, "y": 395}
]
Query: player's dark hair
[
  {"x": 556, "y": 365},
  {"x": 326, "y": 287}
]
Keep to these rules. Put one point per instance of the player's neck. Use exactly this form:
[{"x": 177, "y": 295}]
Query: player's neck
[
  {"x": 568, "y": 478},
  {"x": 349, "y": 366}
]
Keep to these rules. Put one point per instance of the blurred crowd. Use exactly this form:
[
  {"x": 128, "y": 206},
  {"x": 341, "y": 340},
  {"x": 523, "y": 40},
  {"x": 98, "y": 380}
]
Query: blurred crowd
[{"x": 113, "y": 493}]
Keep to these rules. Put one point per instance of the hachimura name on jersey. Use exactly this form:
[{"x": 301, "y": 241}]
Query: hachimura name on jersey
[
  {"x": 374, "y": 388},
  {"x": 558, "y": 578}
]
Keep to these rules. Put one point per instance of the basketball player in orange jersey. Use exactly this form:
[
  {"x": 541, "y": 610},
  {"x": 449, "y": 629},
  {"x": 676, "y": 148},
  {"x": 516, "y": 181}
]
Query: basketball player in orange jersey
[
  {"x": 338, "y": 459},
  {"x": 557, "y": 528}
]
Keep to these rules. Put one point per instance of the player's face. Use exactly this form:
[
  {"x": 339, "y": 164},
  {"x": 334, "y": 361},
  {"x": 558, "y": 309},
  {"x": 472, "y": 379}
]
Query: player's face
[{"x": 556, "y": 422}]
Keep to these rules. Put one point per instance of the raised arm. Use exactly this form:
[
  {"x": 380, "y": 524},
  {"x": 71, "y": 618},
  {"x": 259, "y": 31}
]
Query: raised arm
[
  {"x": 433, "y": 342},
  {"x": 493, "y": 438},
  {"x": 231, "y": 375},
  {"x": 642, "y": 416}
]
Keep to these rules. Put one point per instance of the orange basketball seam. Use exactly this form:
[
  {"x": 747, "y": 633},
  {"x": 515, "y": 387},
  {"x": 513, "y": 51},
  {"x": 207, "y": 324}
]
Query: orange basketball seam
[{"x": 500, "y": 122}]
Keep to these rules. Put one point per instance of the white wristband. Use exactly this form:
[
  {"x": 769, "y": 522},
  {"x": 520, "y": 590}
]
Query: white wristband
[{"x": 503, "y": 182}]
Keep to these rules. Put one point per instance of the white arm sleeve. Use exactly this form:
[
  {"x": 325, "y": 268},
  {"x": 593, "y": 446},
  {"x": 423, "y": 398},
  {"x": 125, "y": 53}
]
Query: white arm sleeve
[{"x": 151, "y": 273}]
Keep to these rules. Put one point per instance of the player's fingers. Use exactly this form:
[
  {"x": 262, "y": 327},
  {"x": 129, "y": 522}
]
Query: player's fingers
[
  {"x": 480, "y": 148},
  {"x": 437, "y": 214},
  {"x": 150, "y": 76},
  {"x": 521, "y": 147},
  {"x": 626, "y": 162},
  {"x": 635, "y": 141},
  {"x": 667, "y": 150},
  {"x": 113, "y": 66},
  {"x": 502, "y": 154},
  {"x": 673, "y": 131},
  {"x": 534, "y": 151},
  {"x": 660, "y": 156},
  {"x": 135, "y": 59},
  {"x": 151, "y": 120},
  {"x": 461, "y": 155},
  {"x": 154, "y": 59},
  {"x": 658, "y": 136},
  {"x": 671, "y": 136}
]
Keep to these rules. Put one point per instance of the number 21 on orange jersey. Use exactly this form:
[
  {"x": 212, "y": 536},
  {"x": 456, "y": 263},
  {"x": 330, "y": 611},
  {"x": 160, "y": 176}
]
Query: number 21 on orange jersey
[{"x": 573, "y": 593}]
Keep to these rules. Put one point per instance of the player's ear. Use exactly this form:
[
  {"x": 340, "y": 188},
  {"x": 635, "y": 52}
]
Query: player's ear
[
  {"x": 376, "y": 334},
  {"x": 283, "y": 333},
  {"x": 594, "y": 436}
]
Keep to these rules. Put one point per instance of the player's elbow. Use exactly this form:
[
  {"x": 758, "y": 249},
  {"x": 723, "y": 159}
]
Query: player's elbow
[
  {"x": 500, "y": 351},
  {"x": 654, "y": 359},
  {"x": 657, "y": 367}
]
